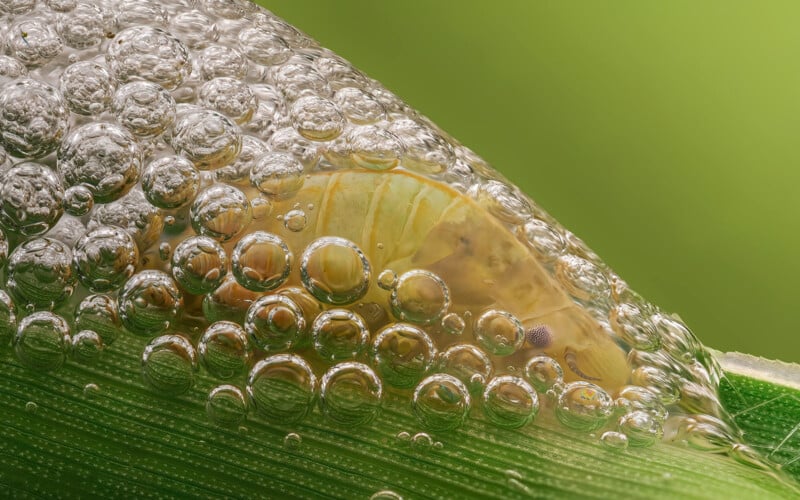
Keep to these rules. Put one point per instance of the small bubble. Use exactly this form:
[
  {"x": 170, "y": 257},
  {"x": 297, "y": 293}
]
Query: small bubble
[
  {"x": 584, "y": 406},
  {"x": 510, "y": 402},
  {"x": 277, "y": 174},
  {"x": 350, "y": 394},
  {"x": 170, "y": 182},
  {"x": 144, "y": 108},
  {"x": 33, "y": 118},
  {"x": 221, "y": 212},
  {"x": 441, "y": 402},
  {"x": 91, "y": 390},
  {"x": 421, "y": 441},
  {"x": 641, "y": 428},
  {"x": 261, "y": 261},
  {"x": 387, "y": 279},
  {"x": 42, "y": 341},
  {"x": 499, "y": 332},
  {"x": 199, "y": 264},
  {"x": 403, "y": 436},
  {"x": 419, "y": 297},
  {"x": 78, "y": 200},
  {"x": 149, "y": 302},
  {"x": 295, "y": 220},
  {"x": 31, "y": 407},
  {"x": 543, "y": 372},
  {"x": 229, "y": 96},
  {"x": 468, "y": 364},
  {"x": 292, "y": 441},
  {"x": 105, "y": 257},
  {"x": 164, "y": 251},
  {"x": 401, "y": 354},
  {"x": 146, "y": 53},
  {"x": 169, "y": 365},
  {"x": 87, "y": 346},
  {"x": 633, "y": 397},
  {"x": 275, "y": 323},
  {"x": 317, "y": 118},
  {"x": 226, "y": 406},
  {"x": 103, "y": 157},
  {"x": 282, "y": 388},
  {"x": 261, "y": 207},
  {"x": 339, "y": 334},
  {"x": 98, "y": 313},
  {"x": 8, "y": 319},
  {"x": 453, "y": 324},
  {"x": 225, "y": 350},
  {"x": 335, "y": 270},
  {"x": 386, "y": 495},
  {"x": 31, "y": 198},
  {"x": 87, "y": 87},
  {"x": 614, "y": 440}
]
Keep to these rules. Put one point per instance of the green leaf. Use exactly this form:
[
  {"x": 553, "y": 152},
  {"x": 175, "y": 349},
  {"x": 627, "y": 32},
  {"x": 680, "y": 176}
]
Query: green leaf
[{"x": 59, "y": 438}]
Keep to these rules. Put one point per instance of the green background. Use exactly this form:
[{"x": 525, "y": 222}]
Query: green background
[{"x": 665, "y": 134}]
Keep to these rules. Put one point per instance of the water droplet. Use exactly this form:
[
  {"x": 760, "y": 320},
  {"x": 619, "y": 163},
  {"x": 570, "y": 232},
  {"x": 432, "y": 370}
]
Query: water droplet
[
  {"x": 91, "y": 390},
  {"x": 633, "y": 397},
  {"x": 170, "y": 182},
  {"x": 199, "y": 264},
  {"x": 317, "y": 118},
  {"x": 275, "y": 322},
  {"x": 282, "y": 388},
  {"x": 144, "y": 108},
  {"x": 103, "y": 157},
  {"x": 386, "y": 495},
  {"x": 499, "y": 332},
  {"x": 31, "y": 198},
  {"x": 229, "y": 96},
  {"x": 33, "y": 118},
  {"x": 634, "y": 327},
  {"x": 78, "y": 200},
  {"x": 40, "y": 272},
  {"x": 225, "y": 350},
  {"x": 295, "y": 220},
  {"x": 277, "y": 174},
  {"x": 145, "y": 53},
  {"x": 292, "y": 441},
  {"x": 105, "y": 257},
  {"x": 226, "y": 406},
  {"x": 42, "y": 341},
  {"x": 169, "y": 365},
  {"x": 402, "y": 354},
  {"x": 98, "y": 313},
  {"x": 641, "y": 428},
  {"x": 87, "y": 87},
  {"x": 209, "y": 139},
  {"x": 335, "y": 270},
  {"x": 419, "y": 297},
  {"x": 8, "y": 320},
  {"x": 614, "y": 440},
  {"x": 339, "y": 334},
  {"x": 350, "y": 394},
  {"x": 149, "y": 302},
  {"x": 387, "y": 279},
  {"x": 453, "y": 324},
  {"x": 219, "y": 60},
  {"x": 421, "y": 441},
  {"x": 584, "y": 406},
  {"x": 261, "y": 261},
  {"x": 510, "y": 402},
  {"x": 441, "y": 402},
  {"x": 86, "y": 346},
  {"x": 221, "y": 212},
  {"x": 468, "y": 364},
  {"x": 543, "y": 372}
]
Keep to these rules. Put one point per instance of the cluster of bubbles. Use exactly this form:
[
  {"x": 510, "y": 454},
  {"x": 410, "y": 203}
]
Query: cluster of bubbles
[{"x": 141, "y": 141}]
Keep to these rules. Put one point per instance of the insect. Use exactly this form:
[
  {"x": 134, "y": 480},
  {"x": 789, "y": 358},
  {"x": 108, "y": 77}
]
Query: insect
[{"x": 404, "y": 221}]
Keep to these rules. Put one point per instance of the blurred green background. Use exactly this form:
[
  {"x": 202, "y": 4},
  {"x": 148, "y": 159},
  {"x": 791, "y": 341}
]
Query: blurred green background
[{"x": 665, "y": 134}]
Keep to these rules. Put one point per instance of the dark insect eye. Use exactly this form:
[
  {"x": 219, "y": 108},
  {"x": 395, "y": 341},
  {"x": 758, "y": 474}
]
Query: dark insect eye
[{"x": 539, "y": 336}]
